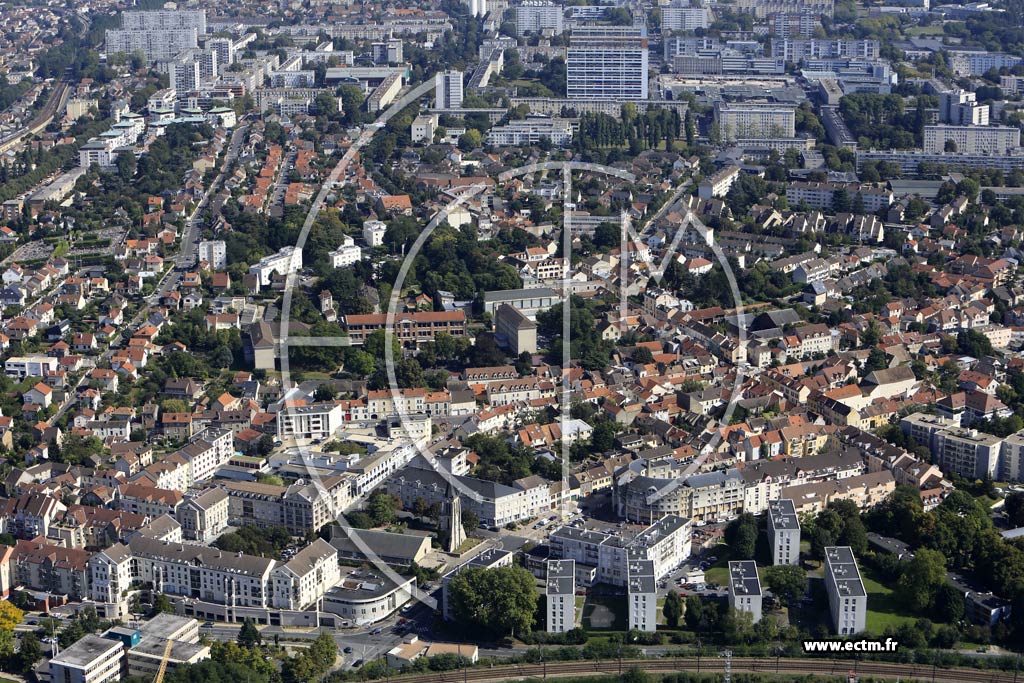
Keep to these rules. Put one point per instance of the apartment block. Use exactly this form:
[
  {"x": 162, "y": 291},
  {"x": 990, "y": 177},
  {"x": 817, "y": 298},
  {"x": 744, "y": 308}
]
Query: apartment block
[
  {"x": 745, "y": 589},
  {"x": 315, "y": 421},
  {"x": 642, "y": 595},
  {"x": 539, "y": 17},
  {"x": 847, "y": 599},
  {"x": 602, "y": 557},
  {"x": 967, "y": 452},
  {"x": 560, "y": 590},
  {"x": 409, "y": 328},
  {"x": 971, "y": 139},
  {"x": 214, "y": 252},
  {"x": 783, "y": 532},
  {"x": 737, "y": 120},
  {"x": 607, "y": 63},
  {"x": 448, "y": 91}
]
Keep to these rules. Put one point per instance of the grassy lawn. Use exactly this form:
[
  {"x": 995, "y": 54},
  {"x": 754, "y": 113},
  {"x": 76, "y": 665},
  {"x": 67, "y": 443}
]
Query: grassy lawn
[
  {"x": 719, "y": 571},
  {"x": 605, "y": 613},
  {"x": 884, "y": 608},
  {"x": 468, "y": 544},
  {"x": 935, "y": 30}
]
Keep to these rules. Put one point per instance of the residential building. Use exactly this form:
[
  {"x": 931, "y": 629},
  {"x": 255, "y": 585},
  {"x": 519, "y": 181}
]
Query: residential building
[
  {"x": 539, "y": 16},
  {"x": 735, "y": 120},
  {"x": 847, "y": 598},
  {"x": 448, "y": 90},
  {"x": 213, "y": 252},
  {"x": 745, "y": 588},
  {"x": 783, "y": 532},
  {"x": 286, "y": 261},
  {"x": 607, "y": 63},
  {"x": 944, "y": 138},
  {"x": 642, "y": 595},
  {"x": 409, "y": 328},
  {"x": 560, "y": 590},
  {"x": 306, "y": 577}
]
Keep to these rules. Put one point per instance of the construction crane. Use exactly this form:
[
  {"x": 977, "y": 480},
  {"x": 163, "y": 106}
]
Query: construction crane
[{"x": 163, "y": 662}]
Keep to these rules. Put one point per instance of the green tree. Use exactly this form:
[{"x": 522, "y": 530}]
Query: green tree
[
  {"x": 787, "y": 582},
  {"x": 500, "y": 600},
  {"x": 673, "y": 609},
  {"x": 249, "y": 635},
  {"x": 741, "y": 536},
  {"x": 921, "y": 577},
  {"x": 383, "y": 508}
]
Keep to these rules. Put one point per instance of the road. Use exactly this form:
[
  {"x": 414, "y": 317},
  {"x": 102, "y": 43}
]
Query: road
[{"x": 186, "y": 256}]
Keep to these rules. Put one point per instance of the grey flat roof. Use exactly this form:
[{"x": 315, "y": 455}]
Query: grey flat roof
[
  {"x": 512, "y": 294},
  {"x": 561, "y": 578},
  {"x": 641, "y": 576},
  {"x": 782, "y": 515},
  {"x": 743, "y": 579},
  {"x": 86, "y": 651},
  {"x": 841, "y": 565}
]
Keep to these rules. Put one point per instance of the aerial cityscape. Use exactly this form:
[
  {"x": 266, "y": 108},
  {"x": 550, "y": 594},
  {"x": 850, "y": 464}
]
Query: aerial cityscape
[{"x": 662, "y": 341}]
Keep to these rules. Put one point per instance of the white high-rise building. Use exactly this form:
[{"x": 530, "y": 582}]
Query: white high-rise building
[
  {"x": 783, "y": 532},
  {"x": 536, "y": 16},
  {"x": 164, "y": 19},
  {"x": 448, "y": 90},
  {"x": 214, "y": 252},
  {"x": 961, "y": 108},
  {"x": 478, "y": 8},
  {"x": 560, "y": 591},
  {"x": 156, "y": 45},
  {"x": 160, "y": 34},
  {"x": 685, "y": 18},
  {"x": 754, "y": 120},
  {"x": 607, "y": 63},
  {"x": 225, "y": 49},
  {"x": 373, "y": 233},
  {"x": 642, "y": 595},
  {"x": 847, "y": 599},
  {"x": 185, "y": 76},
  {"x": 745, "y": 589},
  {"x": 972, "y": 139}
]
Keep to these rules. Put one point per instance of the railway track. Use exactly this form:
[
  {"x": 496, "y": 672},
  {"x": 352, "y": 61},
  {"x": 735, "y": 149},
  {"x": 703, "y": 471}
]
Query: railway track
[
  {"x": 42, "y": 120},
  {"x": 824, "y": 667}
]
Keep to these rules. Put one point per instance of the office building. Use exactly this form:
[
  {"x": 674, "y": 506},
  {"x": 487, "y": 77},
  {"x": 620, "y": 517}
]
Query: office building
[
  {"x": 961, "y": 108},
  {"x": 736, "y": 120},
  {"x": 92, "y": 659},
  {"x": 783, "y": 532},
  {"x": 971, "y": 139},
  {"x": 642, "y": 595},
  {"x": 214, "y": 252},
  {"x": 745, "y": 589},
  {"x": 847, "y": 599},
  {"x": 514, "y": 331},
  {"x": 607, "y": 63},
  {"x": 560, "y": 590},
  {"x": 448, "y": 90},
  {"x": 539, "y": 16}
]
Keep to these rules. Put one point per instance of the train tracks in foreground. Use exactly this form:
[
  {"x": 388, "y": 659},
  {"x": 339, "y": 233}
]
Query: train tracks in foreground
[{"x": 713, "y": 665}]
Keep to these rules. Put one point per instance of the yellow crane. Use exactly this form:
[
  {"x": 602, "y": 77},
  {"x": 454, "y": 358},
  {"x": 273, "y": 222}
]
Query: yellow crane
[{"x": 163, "y": 662}]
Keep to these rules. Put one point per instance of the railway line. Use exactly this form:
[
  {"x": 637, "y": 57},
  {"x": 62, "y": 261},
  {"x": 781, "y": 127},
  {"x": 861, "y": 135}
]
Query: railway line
[
  {"x": 54, "y": 104},
  {"x": 782, "y": 667}
]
